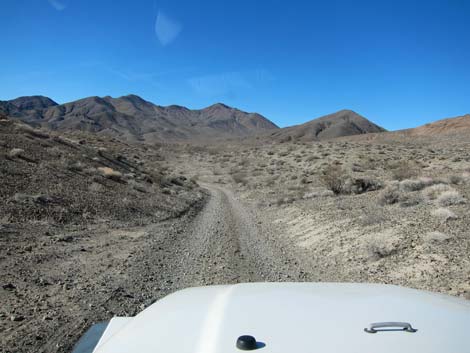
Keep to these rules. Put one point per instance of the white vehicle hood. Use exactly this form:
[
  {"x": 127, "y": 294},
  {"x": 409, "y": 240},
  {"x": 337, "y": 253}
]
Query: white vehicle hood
[{"x": 294, "y": 317}]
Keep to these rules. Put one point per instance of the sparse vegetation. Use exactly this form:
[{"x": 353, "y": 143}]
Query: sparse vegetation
[
  {"x": 436, "y": 237},
  {"x": 381, "y": 245},
  {"x": 404, "y": 170},
  {"x": 390, "y": 195},
  {"x": 434, "y": 191},
  {"x": 240, "y": 178},
  {"x": 443, "y": 214},
  {"x": 449, "y": 198},
  {"x": 110, "y": 173},
  {"x": 334, "y": 178},
  {"x": 15, "y": 152}
]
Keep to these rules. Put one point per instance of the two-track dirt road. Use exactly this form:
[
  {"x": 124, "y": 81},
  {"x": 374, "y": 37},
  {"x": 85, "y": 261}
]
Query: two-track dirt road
[{"x": 65, "y": 286}]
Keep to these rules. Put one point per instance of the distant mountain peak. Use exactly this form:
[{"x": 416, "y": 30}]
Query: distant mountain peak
[
  {"x": 134, "y": 98},
  {"x": 217, "y": 106}
]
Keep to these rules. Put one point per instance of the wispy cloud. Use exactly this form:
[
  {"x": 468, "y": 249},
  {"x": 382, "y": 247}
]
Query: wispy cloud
[
  {"x": 150, "y": 78},
  {"x": 228, "y": 84},
  {"x": 225, "y": 84},
  {"x": 58, "y": 5},
  {"x": 166, "y": 28}
]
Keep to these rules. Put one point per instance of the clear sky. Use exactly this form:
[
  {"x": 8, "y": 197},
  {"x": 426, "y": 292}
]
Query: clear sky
[{"x": 399, "y": 63}]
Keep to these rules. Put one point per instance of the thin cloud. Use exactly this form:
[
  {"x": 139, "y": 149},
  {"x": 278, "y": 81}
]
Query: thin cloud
[
  {"x": 149, "y": 78},
  {"x": 58, "y": 5},
  {"x": 229, "y": 84},
  {"x": 225, "y": 84},
  {"x": 166, "y": 28}
]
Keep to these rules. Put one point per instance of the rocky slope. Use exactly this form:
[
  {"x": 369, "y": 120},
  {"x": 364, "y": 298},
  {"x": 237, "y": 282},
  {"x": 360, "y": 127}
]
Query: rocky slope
[{"x": 80, "y": 179}]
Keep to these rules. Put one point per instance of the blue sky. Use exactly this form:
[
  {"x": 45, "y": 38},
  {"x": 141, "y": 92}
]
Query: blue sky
[{"x": 399, "y": 63}]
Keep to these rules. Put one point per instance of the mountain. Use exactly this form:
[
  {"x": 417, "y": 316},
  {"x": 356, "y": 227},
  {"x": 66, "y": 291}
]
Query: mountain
[
  {"x": 450, "y": 126},
  {"x": 26, "y": 108},
  {"x": 33, "y": 102},
  {"x": 342, "y": 123},
  {"x": 134, "y": 119}
]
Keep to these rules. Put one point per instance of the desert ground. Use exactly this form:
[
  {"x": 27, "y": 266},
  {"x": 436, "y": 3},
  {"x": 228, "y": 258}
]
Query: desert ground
[{"x": 92, "y": 227}]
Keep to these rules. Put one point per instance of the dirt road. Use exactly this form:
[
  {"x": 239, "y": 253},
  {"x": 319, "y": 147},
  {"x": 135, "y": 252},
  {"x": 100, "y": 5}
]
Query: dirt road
[{"x": 57, "y": 289}]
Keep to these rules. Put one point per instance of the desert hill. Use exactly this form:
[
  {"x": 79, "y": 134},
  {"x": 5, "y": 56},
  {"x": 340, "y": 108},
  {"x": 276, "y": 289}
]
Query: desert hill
[
  {"x": 342, "y": 123},
  {"x": 449, "y": 126}
]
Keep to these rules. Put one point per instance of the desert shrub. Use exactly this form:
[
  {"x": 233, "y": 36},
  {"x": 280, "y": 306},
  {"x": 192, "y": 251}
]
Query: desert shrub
[
  {"x": 138, "y": 186},
  {"x": 284, "y": 200},
  {"x": 31, "y": 131},
  {"x": 434, "y": 191},
  {"x": 110, "y": 173},
  {"x": 357, "y": 168},
  {"x": 379, "y": 247},
  {"x": 318, "y": 193},
  {"x": 362, "y": 185},
  {"x": 436, "y": 237},
  {"x": 443, "y": 215},
  {"x": 390, "y": 195},
  {"x": 96, "y": 187},
  {"x": 311, "y": 158},
  {"x": 410, "y": 200},
  {"x": 371, "y": 217},
  {"x": 449, "y": 198},
  {"x": 240, "y": 178},
  {"x": 179, "y": 180},
  {"x": 412, "y": 185},
  {"x": 75, "y": 166},
  {"x": 456, "y": 179},
  {"x": 466, "y": 176},
  {"x": 15, "y": 152},
  {"x": 244, "y": 162},
  {"x": 404, "y": 170},
  {"x": 334, "y": 178}
]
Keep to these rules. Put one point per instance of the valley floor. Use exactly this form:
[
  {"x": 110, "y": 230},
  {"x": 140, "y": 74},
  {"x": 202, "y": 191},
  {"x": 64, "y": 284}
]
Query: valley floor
[{"x": 266, "y": 216}]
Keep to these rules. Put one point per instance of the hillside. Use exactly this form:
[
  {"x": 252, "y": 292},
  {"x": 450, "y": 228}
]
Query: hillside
[
  {"x": 134, "y": 119},
  {"x": 449, "y": 126},
  {"x": 342, "y": 123}
]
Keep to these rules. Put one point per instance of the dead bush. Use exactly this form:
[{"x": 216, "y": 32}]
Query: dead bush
[
  {"x": 405, "y": 170},
  {"x": 240, "y": 178},
  {"x": 449, "y": 198},
  {"x": 410, "y": 200},
  {"x": 390, "y": 195},
  {"x": 434, "y": 191},
  {"x": 381, "y": 245},
  {"x": 456, "y": 179},
  {"x": 436, "y": 237},
  {"x": 372, "y": 217},
  {"x": 110, "y": 173},
  {"x": 15, "y": 153},
  {"x": 443, "y": 215},
  {"x": 334, "y": 178},
  {"x": 362, "y": 185},
  {"x": 412, "y": 185},
  {"x": 320, "y": 192}
]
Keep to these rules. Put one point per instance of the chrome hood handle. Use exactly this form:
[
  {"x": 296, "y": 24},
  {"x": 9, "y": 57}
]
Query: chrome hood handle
[{"x": 389, "y": 326}]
